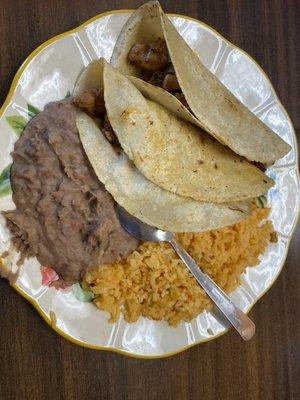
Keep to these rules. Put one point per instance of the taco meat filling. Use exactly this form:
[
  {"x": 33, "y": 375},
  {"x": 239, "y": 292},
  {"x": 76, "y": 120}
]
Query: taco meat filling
[
  {"x": 92, "y": 102},
  {"x": 63, "y": 216},
  {"x": 150, "y": 56},
  {"x": 157, "y": 69}
]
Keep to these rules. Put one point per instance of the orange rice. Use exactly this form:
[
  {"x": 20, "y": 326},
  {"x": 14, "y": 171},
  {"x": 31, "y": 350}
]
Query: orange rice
[{"x": 154, "y": 283}]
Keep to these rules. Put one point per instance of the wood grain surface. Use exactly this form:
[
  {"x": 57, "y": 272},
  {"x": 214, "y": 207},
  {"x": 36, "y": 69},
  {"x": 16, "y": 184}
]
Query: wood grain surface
[{"x": 37, "y": 364}]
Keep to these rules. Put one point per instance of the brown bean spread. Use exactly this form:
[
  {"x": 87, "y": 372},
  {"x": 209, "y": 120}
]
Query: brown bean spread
[{"x": 64, "y": 216}]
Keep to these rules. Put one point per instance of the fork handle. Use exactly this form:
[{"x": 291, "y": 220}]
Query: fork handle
[{"x": 238, "y": 319}]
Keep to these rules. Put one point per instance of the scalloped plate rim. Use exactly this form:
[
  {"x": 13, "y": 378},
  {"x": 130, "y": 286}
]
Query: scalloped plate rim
[{"x": 9, "y": 97}]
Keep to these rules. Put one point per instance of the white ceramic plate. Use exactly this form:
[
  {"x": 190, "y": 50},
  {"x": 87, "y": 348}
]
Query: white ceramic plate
[{"x": 49, "y": 74}]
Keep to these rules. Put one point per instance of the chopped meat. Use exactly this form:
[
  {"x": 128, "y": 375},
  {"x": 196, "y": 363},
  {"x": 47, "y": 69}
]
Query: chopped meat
[
  {"x": 156, "y": 68},
  {"x": 156, "y": 78},
  {"x": 150, "y": 56},
  {"x": 91, "y": 101},
  {"x": 169, "y": 69},
  {"x": 170, "y": 83},
  {"x": 108, "y": 131}
]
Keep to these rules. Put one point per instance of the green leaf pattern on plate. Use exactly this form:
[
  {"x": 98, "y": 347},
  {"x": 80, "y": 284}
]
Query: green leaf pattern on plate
[
  {"x": 68, "y": 94},
  {"x": 5, "y": 186},
  {"x": 17, "y": 122},
  {"x": 32, "y": 111},
  {"x": 83, "y": 295}
]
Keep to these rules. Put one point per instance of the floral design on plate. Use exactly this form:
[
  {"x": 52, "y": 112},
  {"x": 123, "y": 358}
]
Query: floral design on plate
[{"x": 47, "y": 75}]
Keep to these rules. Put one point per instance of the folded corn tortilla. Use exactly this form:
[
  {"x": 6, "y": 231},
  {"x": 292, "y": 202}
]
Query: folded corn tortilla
[
  {"x": 134, "y": 192},
  {"x": 145, "y": 200},
  {"x": 173, "y": 153},
  {"x": 213, "y": 106}
]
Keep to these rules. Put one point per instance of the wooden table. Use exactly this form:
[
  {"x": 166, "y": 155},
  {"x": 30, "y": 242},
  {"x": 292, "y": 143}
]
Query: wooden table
[{"x": 37, "y": 364}]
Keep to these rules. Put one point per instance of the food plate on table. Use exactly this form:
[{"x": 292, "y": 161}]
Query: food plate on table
[{"x": 232, "y": 207}]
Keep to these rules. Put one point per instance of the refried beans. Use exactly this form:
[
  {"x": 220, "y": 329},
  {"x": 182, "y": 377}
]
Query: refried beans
[{"x": 63, "y": 216}]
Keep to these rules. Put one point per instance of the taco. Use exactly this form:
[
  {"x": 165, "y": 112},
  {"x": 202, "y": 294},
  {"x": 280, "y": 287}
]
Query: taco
[
  {"x": 173, "y": 153},
  {"x": 145, "y": 200},
  {"x": 129, "y": 187},
  {"x": 150, "y": 48}
]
